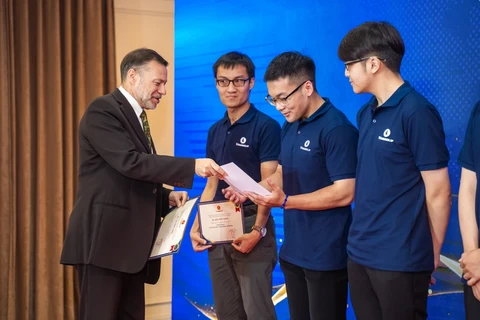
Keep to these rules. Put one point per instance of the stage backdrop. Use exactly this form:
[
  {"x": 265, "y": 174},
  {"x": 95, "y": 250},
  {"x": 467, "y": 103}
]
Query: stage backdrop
[{"x": 442, "y": 61}]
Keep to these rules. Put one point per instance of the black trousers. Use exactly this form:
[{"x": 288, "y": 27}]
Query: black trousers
[
  {"x": 388, "y": 295},
  {"x": 472, "y": 305},
  {"x": 110, "y": 295},
  {"x": 315, "y": 295},
  {"x": 242, "y": 283}
]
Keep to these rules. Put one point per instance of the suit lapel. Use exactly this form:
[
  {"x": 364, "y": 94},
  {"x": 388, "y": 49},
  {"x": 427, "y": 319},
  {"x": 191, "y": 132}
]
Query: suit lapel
[{"x": 132, "y": 118}]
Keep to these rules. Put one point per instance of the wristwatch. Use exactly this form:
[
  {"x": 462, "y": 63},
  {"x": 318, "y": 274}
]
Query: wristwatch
[{"x": 261, "y": 230}]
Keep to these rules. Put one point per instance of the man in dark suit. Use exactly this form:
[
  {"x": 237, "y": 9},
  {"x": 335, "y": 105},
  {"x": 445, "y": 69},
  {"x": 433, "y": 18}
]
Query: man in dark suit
[{"x": 120, "y": 199}]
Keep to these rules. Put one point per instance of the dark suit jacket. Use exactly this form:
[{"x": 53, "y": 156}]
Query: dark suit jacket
[{"x": 120, "y": 197}]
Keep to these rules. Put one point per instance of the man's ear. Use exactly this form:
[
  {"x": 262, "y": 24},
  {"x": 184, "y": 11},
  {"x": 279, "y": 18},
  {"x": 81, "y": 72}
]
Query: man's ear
[
  {"x": 374, "y": 64},
  {"x": 309, "y": 88},
  {"x": 251, "y": 83},
  {"x": 131, "y": 75}
]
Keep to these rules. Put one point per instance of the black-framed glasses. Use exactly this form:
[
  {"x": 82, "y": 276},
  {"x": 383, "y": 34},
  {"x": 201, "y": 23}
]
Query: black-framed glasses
[
  {"x": 283, "y": 101},
  {"x": 236, "y": 82},
  {"x": 349, "y": 63}
]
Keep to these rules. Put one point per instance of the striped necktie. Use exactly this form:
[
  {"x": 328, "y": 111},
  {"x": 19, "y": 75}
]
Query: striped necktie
[{"x": 146, "y": 128}]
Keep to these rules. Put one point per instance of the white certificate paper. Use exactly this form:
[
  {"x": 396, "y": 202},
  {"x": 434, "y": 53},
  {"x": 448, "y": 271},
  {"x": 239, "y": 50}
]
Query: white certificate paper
[
  {"x": 172, "y": 229},
  {"x": 242, "y": 182},
  {"x": 220, "y": 221}
]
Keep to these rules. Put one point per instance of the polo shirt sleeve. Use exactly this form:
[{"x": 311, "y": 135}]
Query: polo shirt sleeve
[
  {"x": 465, "y": 158},
  {"x": 269, "y": 149},
  {"x": 341, "y": 152},
  {"x": 426, "y": 139}
]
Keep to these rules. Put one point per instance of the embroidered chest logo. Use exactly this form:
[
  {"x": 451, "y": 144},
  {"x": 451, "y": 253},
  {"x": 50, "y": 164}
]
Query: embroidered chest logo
[
  {"x": 386, "y": 134},
  {"x": 305, "y": 146},
  {"x": 242, "y": 143}
]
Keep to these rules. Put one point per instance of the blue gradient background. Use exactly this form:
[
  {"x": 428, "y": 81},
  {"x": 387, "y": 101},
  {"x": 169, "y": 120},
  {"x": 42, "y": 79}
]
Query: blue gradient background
[{"x": 442, "y": 61}]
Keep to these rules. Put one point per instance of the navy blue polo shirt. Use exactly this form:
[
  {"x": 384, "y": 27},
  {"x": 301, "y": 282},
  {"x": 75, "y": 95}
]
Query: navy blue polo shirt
[
  {"x": 316, "y": 152},
  {"x": 397, "y": 141},
  {"x": 469, "y": 157},
  {"x": 251, "y": 140}
]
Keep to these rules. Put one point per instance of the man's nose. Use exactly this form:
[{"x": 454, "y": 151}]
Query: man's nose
[
  {"x": 279, "y": 107},
  {"x": 162, "y": 89},
  {"x": 231, "y": 87}
]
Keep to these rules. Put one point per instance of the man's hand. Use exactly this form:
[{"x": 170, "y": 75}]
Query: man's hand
[
  {"x": 208, "y": 168},
  {"x": 177, "y": 198},
  {"x": 476, "y": 290},
  {"x": 275, "y": 199},
  {"x": 247, "y": 241},
  {"x": 198, "y": 243},
  {"x": 234, "y": 196},
  {"x": 470, "y": 264}
]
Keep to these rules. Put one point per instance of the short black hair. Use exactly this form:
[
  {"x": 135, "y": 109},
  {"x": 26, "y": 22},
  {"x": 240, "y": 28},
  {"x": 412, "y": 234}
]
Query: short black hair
[
  {"x": 292, "y": 65},
  {"x": 138, "y": 58},
  {"x": 373, "y": 38},
  {"x": 234, "y": 58}
]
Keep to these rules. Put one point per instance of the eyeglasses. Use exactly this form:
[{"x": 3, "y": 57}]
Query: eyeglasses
[
  {"x": 236, "y": 82},
  {"x": 349, "y": 63},
  {"x": 283, "y": 101}
]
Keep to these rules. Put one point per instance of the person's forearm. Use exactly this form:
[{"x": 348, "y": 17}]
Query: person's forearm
[
  {"x": 274, "y": 174},
  {"x": 207, "y": 195},
  {"x": 276, "y": 178},
  {"x": 438, "y": 208},
  {"x": 209, "y": 191},
  {"x": 466, "y": 217},
  {"x": 263, "y": 213},
  {"x": 333, "y": 196},
  {"x": 195, "y": 225}
]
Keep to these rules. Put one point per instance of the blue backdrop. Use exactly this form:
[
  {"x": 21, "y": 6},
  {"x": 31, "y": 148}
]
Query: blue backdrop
[{"x": 442, "y": 61}]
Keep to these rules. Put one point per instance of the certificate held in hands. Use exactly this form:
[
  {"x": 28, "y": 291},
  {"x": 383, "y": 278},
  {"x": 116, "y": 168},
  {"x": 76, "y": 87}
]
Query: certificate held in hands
[
  {"x": 171, "y": 230},
  {"x": 220, "y": 221}
]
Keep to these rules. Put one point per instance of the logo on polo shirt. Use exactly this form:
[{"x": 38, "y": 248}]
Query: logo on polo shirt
[
  {"x": 305, "y": 146},
  {"x": 386, "y": 134},
  {"x": 243, "y": 140}
]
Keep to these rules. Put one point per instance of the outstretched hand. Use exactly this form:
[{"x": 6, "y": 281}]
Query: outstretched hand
[
  {"x": 234, "y": 196},
  {"x": 275, "y": 199},
  {"x": 208, "y": 168}
]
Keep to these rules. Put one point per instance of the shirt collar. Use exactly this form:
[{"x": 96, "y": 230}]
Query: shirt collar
[
  {"x": 245, "y": 118},
  {"x": 320, "y": 111},
  {"x": 395, "y": 98},
  {"x": 135, "y": 105}
]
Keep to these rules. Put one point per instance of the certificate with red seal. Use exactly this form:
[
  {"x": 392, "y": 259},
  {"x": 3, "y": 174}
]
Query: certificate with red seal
[
  {"x": 220, "y": 221},
  {"x": 172, "y": 230}
]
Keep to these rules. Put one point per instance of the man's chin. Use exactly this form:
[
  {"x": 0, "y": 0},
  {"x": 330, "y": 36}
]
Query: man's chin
[
  {"x": 234, "y": 105},
  {"x": 150, "y": 106}
]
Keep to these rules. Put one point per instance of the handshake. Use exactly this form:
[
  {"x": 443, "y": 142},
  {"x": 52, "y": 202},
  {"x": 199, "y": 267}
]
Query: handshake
[{"x": 208, "y": 168}]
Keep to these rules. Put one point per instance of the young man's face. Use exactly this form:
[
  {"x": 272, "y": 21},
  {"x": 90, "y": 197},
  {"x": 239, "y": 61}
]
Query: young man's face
[
  {"x": 295, "y": 106},
  {"x": 149, "y": 84},
  {"x": 358, "y": 75},
  {"x": 236, "y": 93}
]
